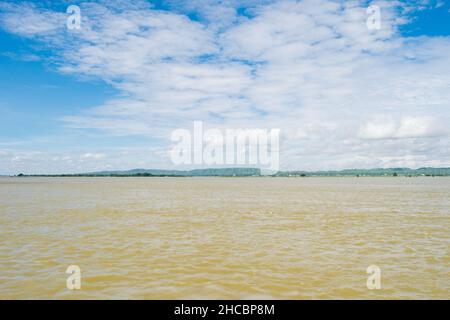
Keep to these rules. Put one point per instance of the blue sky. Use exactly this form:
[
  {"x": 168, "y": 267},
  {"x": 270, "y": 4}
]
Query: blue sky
[{"x": 108, "y": 95}]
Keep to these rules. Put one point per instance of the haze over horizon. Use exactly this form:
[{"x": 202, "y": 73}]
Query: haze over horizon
[
  {"x": 108, "y": 96},
  {"x": 255, "y": 171}
]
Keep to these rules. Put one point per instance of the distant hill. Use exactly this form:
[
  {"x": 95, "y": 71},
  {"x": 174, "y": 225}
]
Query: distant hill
[
  {"x": 370, "y": 172},
  {"x": 252, "y": 172},
  {"x": 221, "y": 172}
]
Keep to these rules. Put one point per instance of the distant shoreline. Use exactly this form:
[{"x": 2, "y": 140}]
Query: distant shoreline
[
  {"x": 256, "y": 172},
  {"x": 186, "y": 177}
]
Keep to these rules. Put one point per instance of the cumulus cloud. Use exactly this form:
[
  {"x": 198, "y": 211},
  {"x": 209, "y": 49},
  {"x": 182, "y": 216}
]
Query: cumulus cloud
[
  {"x": 95, "y": 156},
  {"x": 385, "y": 127},
  {"x": 311, "y": 68},
  {"x": 25, "y": 20}
]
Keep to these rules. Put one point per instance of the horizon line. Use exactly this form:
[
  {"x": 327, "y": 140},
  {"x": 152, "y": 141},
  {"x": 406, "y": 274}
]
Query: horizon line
[{"x": 119, "y": 171}]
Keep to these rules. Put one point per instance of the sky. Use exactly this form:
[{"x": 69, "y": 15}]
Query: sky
[{"x": 108, "y": 96}]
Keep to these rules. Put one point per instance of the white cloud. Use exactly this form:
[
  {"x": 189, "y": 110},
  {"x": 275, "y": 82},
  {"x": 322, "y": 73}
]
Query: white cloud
[
  {"x": 95, "y": 156},
  {"x": 385, "y": 127},
  {"x": 24, "y": 19}
]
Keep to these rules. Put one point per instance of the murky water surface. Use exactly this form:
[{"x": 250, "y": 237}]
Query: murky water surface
[{"x": 237, "y": 238}]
